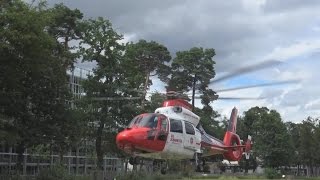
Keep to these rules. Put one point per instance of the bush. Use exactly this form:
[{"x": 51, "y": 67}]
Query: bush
[
  {"x": 142, "y": 175},
  {"x": 251, "y": 177},
  {"x": 54, "y": 173},
  {"x": 271, "y": 173},
  {"x": 131, "y": 176},
  {"x": 206, "y": 168}
]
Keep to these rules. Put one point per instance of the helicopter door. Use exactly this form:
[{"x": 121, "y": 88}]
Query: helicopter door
[
  {"x": 175, "y": 141},
  {"x": 190, "y": 138},
  {"x": 158, "y": 133},
  {"x": 163, "y": 128}
]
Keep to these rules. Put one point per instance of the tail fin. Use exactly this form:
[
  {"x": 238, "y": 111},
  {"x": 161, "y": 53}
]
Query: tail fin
[
  {"x": 231, "y": 139},
  {"x": 232, "y": 127}
]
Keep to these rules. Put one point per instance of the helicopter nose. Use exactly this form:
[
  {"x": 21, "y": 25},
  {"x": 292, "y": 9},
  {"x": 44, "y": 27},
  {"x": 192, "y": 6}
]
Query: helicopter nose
[{"x": 122, "y": 139}]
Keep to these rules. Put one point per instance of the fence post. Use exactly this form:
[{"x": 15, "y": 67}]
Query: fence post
[
  {"x": 25, "y": 162},
  {"x": 77, "y": 160},
  {"x": 10, "y": 159},
  {"x": 69, "y": 162}
]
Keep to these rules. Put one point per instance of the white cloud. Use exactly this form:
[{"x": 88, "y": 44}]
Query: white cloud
[
  {"x": 253, "y": 6},
  {"x": 294, "y": 102},
  {"x": 242, "y": 33},
  {"x": 128, "y": 38},
  {"x": 304, "y": 47},
  {"x": 313, "y": 105}
]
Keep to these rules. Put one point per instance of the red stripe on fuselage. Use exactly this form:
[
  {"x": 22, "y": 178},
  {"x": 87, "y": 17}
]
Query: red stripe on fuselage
[
  {"x": 212, "y": 149},
  {"x": 177, "y": 102}
]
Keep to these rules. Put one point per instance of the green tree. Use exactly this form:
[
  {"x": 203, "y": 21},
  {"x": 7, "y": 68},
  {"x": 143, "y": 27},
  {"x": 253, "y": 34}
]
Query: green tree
[
  {"x": 317, "y": 145},
  {"x": 308, "y": 143},
  {"x": 33, "y": 84},
  {"x": 271, "y": 140},
  {"x": 65, "y": 28},
  {"x": 295, "y": 138},
  {"x": 100, "y": 43},
  {"x": 155, "y": 102},
  {"x": 247, "y": 164},
  {"x": 210, "y": 123},
  {"x": 192, "y": 70},
  {"x": 145, "y": 60}
]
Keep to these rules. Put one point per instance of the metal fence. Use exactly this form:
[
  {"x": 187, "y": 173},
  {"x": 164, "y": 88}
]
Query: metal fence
[{"x": 75, "y": 165}]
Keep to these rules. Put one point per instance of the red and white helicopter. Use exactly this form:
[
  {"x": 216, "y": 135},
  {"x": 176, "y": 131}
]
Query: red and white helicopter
[{"x": 173, "y": 131}]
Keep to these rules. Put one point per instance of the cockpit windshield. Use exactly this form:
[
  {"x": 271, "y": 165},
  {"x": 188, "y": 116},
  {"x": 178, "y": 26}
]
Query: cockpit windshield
[{"x": 144, "y": 120}]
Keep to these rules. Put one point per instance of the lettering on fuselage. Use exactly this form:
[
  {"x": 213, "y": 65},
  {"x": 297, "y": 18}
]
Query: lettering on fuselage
[{"x": 176, "y": 141}]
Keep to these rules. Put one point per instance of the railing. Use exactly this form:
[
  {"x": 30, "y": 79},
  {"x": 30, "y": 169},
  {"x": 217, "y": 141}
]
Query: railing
[{"x": 75, "y": 165}]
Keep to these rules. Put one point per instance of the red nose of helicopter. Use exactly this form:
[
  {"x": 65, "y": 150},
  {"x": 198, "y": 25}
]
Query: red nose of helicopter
[
  {"x": 130, "y": 138},
  {"x": 123, "y": 138},
  {"x": 143, "y": 135}
]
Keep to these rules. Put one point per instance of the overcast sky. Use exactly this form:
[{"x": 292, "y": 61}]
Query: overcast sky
[{"x": 242, "y": 32}]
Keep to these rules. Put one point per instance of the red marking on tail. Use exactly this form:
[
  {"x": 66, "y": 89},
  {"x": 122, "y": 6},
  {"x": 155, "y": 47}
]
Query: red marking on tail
[{"x": 231, "y": 139}]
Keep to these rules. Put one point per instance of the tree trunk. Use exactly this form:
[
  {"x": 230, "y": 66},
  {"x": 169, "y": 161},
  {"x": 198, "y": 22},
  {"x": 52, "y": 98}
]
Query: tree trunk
[
  {"x": 246, "y": 167},
  {"x": 193, "y": 91},
  {"x": 146, "y": 83},
  {"x": 126, "y": 166},
  {"x": 20, "y": 150},
  {"x": 61, "y": 152},
  {"x": 99, "y": 146},
  {"x": 66, "y": 46}
]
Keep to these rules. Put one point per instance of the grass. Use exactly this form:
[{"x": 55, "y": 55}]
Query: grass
[{"x": 226, "y": 177}]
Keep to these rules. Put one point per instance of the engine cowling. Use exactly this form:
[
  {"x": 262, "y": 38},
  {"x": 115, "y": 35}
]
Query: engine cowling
[{"x": 232, "y": 141}]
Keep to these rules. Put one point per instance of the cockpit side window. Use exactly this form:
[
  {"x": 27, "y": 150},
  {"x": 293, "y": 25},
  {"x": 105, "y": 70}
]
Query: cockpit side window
[
  {"x": 176, "y": 126},
  {"x": 164, "y": 125},
  {"x": 189, "y": 128},
  {"x": 152, "y": 122}
]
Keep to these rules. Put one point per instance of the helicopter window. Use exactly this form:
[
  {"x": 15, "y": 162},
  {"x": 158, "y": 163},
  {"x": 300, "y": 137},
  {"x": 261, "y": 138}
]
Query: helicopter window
[
  {"x": 151, "y": 122},
  {"x": 144, "y": 120},
  {"x": 135, "y": 121},
  {"x": 164, "y": 124},
  {"x": 189, "y": 128},
  {"x": 176, "y": 126}
]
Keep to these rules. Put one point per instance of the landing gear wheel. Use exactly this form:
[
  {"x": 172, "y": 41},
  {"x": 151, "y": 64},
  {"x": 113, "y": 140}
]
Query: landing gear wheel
[
  {"x": 134, "y": 160},
  {"x": 163, "y": 170},
  {"x": 131, "y": 160},
  {"x": 164, "y": 167},
  {"x": 199, "y": 169},
  {"x": 156, "y": 165}
]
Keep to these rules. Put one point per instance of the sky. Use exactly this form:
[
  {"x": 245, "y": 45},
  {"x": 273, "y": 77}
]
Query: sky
[{"x": 242, "y": 32}]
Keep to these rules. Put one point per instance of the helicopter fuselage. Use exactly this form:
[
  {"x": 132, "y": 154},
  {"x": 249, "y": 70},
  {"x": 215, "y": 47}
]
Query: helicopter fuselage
[{"x": 162, "y": 135}]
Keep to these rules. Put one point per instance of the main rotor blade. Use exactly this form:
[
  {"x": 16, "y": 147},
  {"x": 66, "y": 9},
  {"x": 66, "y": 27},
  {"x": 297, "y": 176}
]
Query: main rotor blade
[
  {"x": 244, "y": 70},
  {"x": 240, "y": 98},
  {"x": 235, "y": 98},
  {"x": 260, "y": 85},
  {"x": 114, "y": 98}
]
